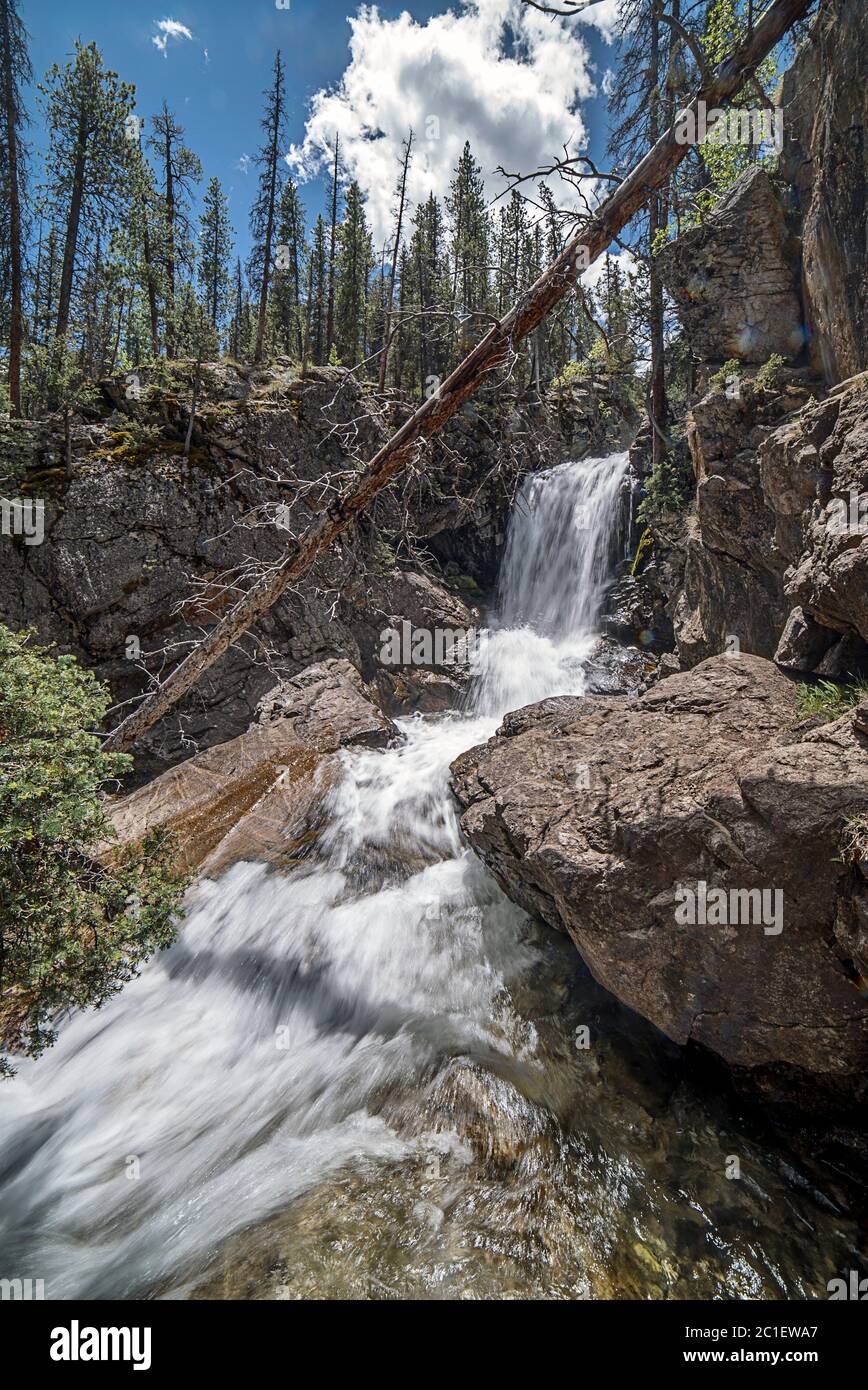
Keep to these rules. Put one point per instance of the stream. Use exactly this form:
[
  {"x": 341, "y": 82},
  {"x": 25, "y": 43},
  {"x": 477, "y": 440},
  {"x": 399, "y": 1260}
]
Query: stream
[{"x": 365, "y": 1078}]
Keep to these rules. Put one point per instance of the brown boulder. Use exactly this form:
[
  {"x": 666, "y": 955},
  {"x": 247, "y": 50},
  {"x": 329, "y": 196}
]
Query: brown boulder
[
  {"x": 734, "y": 277},
  {"x": 825, "y": 158},
  {"x": 596, "y": 814},
  {"x": 257, "y": 796}
]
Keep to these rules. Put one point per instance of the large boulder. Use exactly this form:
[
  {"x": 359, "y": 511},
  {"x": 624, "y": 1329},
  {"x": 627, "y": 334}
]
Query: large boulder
[
  {"x": 597, "y": 814},
  {"x": 730, "y": 594},
  {"x": 814, "y": 472},
  {"x": 734, "y": 278},
  {"x": 825, "y": 159},
  {"x": 257, "y": 797}
]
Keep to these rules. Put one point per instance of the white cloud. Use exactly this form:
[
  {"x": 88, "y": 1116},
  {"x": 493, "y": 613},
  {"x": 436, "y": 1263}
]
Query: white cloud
[
  {"x": 169, "y": 29},
  {"x": 507, "y": 78},
  {"x": 243, "y": 163},
  {"x": 603, "y": 16},
  {"x": 624, "y": 259}
]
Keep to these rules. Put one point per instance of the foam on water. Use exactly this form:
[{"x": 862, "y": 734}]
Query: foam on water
[{"x": 240, "y": 1068}]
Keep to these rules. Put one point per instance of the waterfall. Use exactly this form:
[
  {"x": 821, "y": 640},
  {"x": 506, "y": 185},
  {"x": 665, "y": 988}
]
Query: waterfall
[
  {"x": 560, "y": 548},
  {"x": 249, "y": 1062}
]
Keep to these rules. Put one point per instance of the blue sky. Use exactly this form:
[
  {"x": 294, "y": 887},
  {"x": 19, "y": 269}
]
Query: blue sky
[{"x": 214, "y": 80}]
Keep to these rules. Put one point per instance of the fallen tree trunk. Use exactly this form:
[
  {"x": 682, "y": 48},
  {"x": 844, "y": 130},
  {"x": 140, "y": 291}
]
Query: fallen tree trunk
[{"x": 491, "y": 352}]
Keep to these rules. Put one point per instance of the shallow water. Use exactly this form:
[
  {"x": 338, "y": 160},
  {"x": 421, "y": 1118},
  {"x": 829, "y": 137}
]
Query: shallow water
[{"x": 367, "y": 1078}]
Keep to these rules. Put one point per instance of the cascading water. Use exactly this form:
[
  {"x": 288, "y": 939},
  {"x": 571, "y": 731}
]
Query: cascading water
[{"x": 360, "y": 1079}]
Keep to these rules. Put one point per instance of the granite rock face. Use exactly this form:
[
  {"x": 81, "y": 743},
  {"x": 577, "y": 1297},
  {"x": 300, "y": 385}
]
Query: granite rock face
[
  {"x": 825, "y": 160},
  {"x": 730, "y": 591},
  {"x": 593, "y": 813},
  {"x": 258, "y": 796},
  {"x": 144, "y": 548},
  {"x": 734, "y": 278},
  {"x": 815, "y": 477}
]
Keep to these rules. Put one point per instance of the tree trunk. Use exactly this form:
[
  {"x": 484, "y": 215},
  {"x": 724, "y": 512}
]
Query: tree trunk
[
  {"x": 330, "y": 315},
  {"x": 384, "y": 359},
  {"x": 16, "y": 313},
  {"x": 269, "y": 220},
  {"x": 150, "y": 280},
  {"x": 494, "y": 349},
  {"x": 170, "y": 248},
  {"x": 656, "y": 221},
  {"x": 72, "y": 221}
]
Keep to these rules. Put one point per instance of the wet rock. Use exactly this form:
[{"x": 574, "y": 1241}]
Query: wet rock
[
  {"x": 700, "y": 780},
  {"x": 257, "y": 797},
  {"x": 145, "y": 548}
]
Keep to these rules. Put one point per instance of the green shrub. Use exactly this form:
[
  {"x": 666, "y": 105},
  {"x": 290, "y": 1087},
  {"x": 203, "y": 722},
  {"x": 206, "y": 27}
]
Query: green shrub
[
  {"x": 854, "y": 841},
  {"x": 830, "y": 700},
  {"x": 669, "y": 489},
  {"x": 731, "y": 367},
  {"x": 73, "y": 927},
  {"x": 767, "y": 376}
]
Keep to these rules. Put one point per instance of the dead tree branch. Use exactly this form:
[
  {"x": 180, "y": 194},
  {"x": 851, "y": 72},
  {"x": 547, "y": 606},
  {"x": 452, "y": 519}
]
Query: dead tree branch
[{"x": 491, "y": 352}]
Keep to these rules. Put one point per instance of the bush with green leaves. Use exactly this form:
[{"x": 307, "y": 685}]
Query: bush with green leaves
[
  {"x": 78, "y": 916},
  {"x": 829, "y": 700}
]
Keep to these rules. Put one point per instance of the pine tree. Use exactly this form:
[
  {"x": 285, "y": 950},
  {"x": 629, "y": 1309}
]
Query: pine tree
[
  {"x": 180, "y": 169},
  {"x": 427, "y": 295},
  {"x": 401, "y": 195},
  {"x": 15, "y": 73},
  {"x": 287, "y": 294},
  {"x": 262, "y": 214},
  {"x": 87, "y": 167},
  {"x": 470, "y": 248},
  {"x": 215, "y": 248},
  {"x": 317, "y": 293},
  {"x": 145, "y": 232},
  {"x": 333, "y": 231},
  {"x": 355, "y": 261}
]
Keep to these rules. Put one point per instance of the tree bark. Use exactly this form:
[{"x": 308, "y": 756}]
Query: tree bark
[
  {"x": 170, "y": 246},
  {"x": 269, "y": 220},
  {"x": 72, "y": 223},
  {"x": 493, "y": 350},
  {"x": 330, "y": 313},
  {"x": 384, "y": 359},
  {"x": 16, "y": 319}
]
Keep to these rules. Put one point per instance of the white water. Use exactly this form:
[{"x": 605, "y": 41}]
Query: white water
[{"x": 244, "y": 1064}]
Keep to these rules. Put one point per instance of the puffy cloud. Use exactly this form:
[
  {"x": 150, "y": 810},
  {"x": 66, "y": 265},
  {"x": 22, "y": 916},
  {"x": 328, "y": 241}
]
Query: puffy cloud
[
  {"x": 505, "y": 77},
  {"x": 603, "y": 16},
  {"x": 169, "y": 29}
]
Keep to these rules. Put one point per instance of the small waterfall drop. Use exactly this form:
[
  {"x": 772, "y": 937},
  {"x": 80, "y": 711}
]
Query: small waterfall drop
[{"x": 267, "y": 1054}]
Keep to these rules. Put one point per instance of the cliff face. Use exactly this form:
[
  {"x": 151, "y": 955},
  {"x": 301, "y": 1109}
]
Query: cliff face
[
  {"x": 145, "y": 548},
  {"x": 760, "y": 561},
  {"x": 711, "y": 782},
  {"x": 825, "y": 160}
]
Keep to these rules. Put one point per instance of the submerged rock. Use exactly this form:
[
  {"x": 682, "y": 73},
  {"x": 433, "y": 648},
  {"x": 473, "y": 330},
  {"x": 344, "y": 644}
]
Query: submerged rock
[{"x": 594, "y": 814}]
